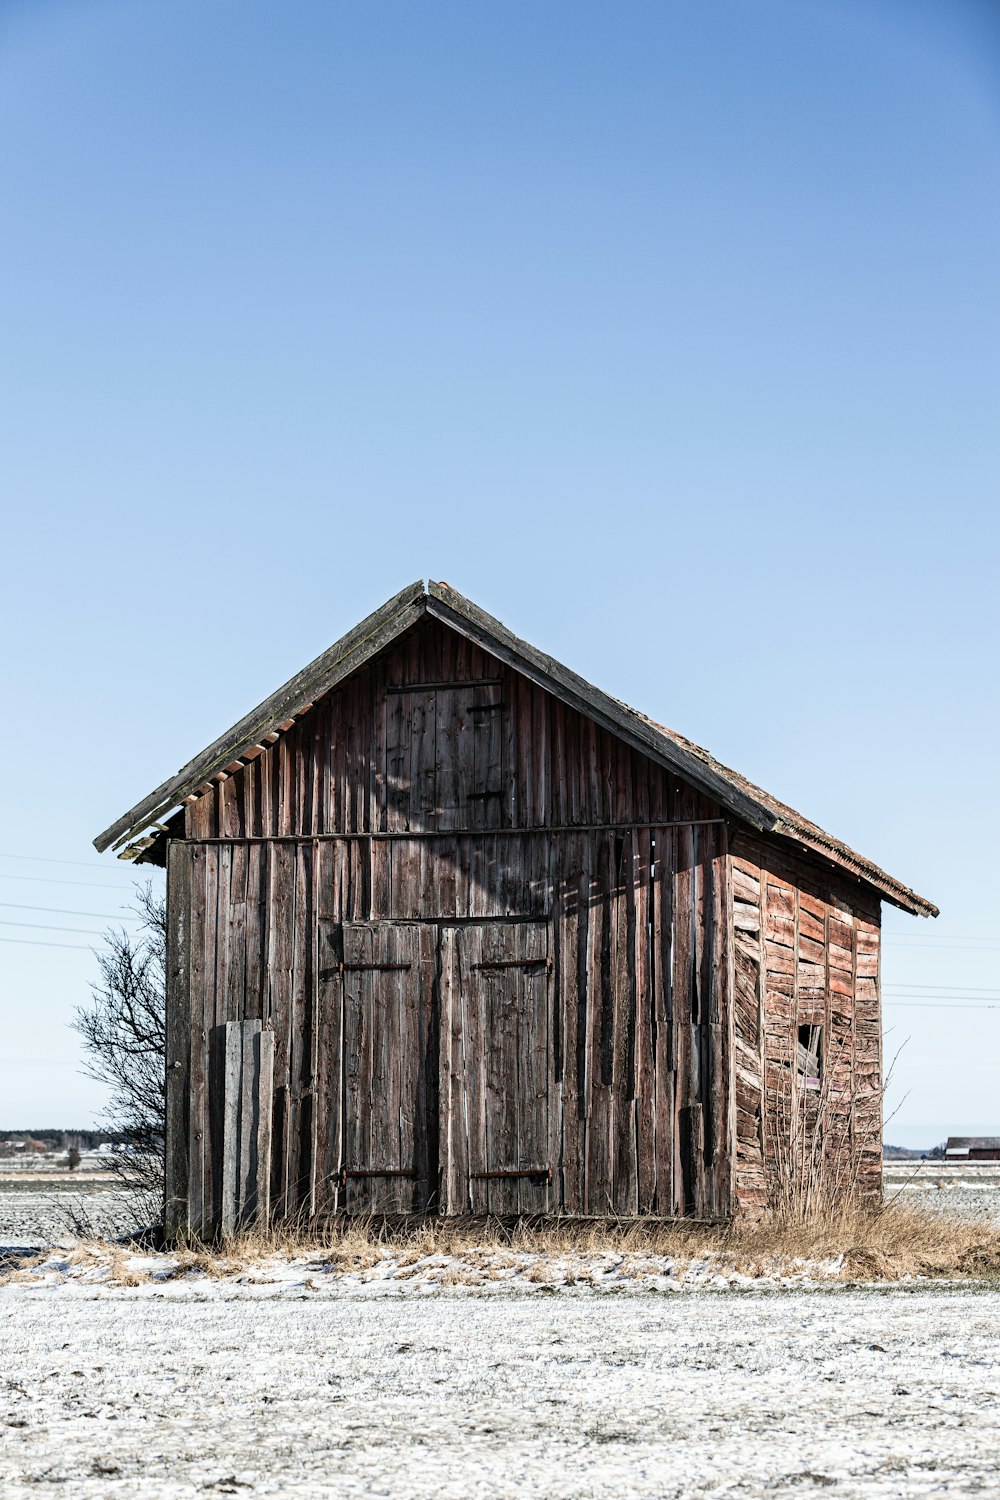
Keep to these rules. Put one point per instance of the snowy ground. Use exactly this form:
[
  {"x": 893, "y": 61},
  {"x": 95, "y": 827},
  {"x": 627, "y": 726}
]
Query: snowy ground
[
  {"x": 39, "y": 1210},
  {"x": 495, "y": 1373},
  {"x": 198, "y": 1388},
  {"x": 969, "y": 1192}
]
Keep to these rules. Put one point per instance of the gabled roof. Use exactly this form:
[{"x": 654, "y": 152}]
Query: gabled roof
[
  {"x": 745, "y": 801},
  {"x": 961, "y": 1145}
]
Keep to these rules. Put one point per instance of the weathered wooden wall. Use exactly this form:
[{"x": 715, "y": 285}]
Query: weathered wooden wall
[
  {"x": 404, "y": 868},
  {"x": 626, "y": 1016},
  {"x": 345, "y": 767},
  {"x": 806, "y": 949},
  {"x": 495, "y": 948}
]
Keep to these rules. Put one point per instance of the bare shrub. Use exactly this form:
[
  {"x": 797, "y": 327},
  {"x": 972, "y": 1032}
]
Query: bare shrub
[
  {"x": 816, "y": 1166},
  {"x": 123, "y": 1030}
]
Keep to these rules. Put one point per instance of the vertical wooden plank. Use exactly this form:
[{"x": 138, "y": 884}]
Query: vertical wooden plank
[
  {"x": 235, "y": 993},
  {"x": 197, "y": 1098},
  {"x": 686, "y": 1123},
  {"x": 228, "y": 1148},
  {"x": 716, "y": 1023},
  {"x": 358, "y": 1080},
  {"x": 566, "y": 882},
  {"x": 533, "y": 1087},
  {"x": 645, "y": 1031},
  {"x": 454, "y": 752},
  {"x": 210, "y": 1120},
  {"x": 249, "y": 1121},
  {"x": 725, "y": 980},
  {"x": 265, "y": 1100},
  {"x": 624, "y": 1173},
  {"x": 601, "y": 1038},
  {"x": 558, "y": 809},
  {"x": 329, "y": 1049},
  {"x": 301, "y": 1034},
  {"x": 540, "y": 768},
  {"x": 471, "y": 1020},
  {"x": 452, "y": 1144},
  {"x": 487, "y": 776},
  {"x": 178, "y": 1039},
  {"x": 584, "y": 1014},
  {"x": 255, "y": 975},
  {"x": 423, "y": 761},
  {"x": 663, "y": 853},
  {"x": 281, "y": 902}
]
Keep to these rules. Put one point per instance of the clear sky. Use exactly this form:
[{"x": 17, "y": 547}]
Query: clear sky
[{"x": 669, "y": 332}]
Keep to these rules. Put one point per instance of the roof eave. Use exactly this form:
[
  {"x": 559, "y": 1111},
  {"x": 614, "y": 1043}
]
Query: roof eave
[{"x": 890, "y": 889}]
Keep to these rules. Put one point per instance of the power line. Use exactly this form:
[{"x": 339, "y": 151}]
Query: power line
[
  {"x": 51, "y": 927},
  {"x": 91, "y": 885},
  {"x": 943, "y": 1005},
  {"x": 67, "y": 911},
  {"x": 950, "y": 989},
  {"x": 954, "y": 999},
  {"x": 44, "y": 859},
  {"x": 959, "y": 945},
  {"x": 41, "y": 943}
]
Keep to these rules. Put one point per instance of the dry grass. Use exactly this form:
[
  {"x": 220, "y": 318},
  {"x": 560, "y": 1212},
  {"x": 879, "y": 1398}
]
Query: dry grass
[
  {"x": 876, "y": 1243},
  {"x": 866, "y": 1244}
]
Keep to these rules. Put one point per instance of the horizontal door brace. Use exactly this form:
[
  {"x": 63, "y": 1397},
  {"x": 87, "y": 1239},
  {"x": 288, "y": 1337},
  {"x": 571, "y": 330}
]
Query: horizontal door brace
[
  {"x": 346, "y": 1172},
  {"x": 514, "y": 963},
  {"x": 346, "y": 966},
  {"x": 545, "y": 1172}
]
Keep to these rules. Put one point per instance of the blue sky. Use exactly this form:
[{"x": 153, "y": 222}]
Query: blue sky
[{"x": 668, "y": 332}]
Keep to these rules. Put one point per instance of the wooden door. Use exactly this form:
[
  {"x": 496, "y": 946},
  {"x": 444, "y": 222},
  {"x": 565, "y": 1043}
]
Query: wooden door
[
  {"x": 443, "y": 758},
  {"x": 499, "y": 1153},
  {"x": 390, "y": 1068}
]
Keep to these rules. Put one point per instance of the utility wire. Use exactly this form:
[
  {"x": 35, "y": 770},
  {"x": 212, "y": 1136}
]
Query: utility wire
[
  {"x": 934, "y": 1005},
  {"x": 51, "y": 927},
  {"x": 950, "y": 989},
  {"x": 44, "y": 859},
  {"x": 41, "y": 943},
  {"x": 91, "y": 885},
  {"x": 68, "y": 911}
]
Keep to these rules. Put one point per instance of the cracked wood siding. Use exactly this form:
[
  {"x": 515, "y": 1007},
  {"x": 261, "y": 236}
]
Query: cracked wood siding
[
  {"x": 500, "y": 812},
  {"x": 328, "y": 773},
  {"x": 631, "y": 1008},
  {"x": 806, "y": 952}
]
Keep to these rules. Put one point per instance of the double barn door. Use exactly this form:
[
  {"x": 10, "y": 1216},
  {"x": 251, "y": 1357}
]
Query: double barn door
[{"x": 440, "y": 1087}]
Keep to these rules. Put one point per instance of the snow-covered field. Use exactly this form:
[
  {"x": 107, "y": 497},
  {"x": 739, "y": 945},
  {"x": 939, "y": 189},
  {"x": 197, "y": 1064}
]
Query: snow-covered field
[
  {"x": 41, "y": 1210},
  {"x": 489, "y": 1373},
  {"x": 197, "y": 1388},
  {"x": 969, "y": 1192}
]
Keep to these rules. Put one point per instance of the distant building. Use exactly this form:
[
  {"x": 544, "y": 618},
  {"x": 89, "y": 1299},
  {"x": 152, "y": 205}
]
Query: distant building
[{"x": 973, "y": 1148}]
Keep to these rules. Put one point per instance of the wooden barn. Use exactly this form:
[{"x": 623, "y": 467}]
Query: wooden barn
[{"x": 453, "y": 931}]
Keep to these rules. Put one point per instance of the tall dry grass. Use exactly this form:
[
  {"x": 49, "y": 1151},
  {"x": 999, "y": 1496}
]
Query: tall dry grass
[{"x": 874, "y": 1242}]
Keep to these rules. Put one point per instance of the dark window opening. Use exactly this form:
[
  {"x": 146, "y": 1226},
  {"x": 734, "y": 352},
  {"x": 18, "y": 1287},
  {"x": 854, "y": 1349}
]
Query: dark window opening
[{"x": 810, "y": 1056}]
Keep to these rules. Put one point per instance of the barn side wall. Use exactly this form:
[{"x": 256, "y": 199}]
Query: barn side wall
[
  {"x": 806, "y": 953},
  {"x": 350, "y": 818}
]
